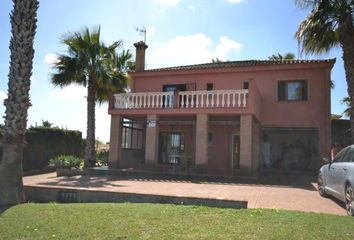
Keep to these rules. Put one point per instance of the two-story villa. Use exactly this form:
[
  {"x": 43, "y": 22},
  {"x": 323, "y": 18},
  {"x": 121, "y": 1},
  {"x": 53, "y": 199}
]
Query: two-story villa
[{"x": 225, "y": 118}]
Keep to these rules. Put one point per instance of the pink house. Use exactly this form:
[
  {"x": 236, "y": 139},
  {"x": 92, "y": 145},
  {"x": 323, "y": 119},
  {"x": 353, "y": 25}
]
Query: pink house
[{"x": 226, "y": 118}]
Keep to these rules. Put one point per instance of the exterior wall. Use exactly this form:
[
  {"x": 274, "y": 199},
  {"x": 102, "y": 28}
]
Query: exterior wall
[
  {"x": 201, "y": 142},
  {"x": 219, "y": 152},
  {"x": 256, "y": 144},
  {"x": 151, "y": 142},
  {"x": 132, "y": 158},
  {"x": 115, "y": 146}
]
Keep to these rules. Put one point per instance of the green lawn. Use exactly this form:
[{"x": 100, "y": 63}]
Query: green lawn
[{"x": 160, "y": 221}]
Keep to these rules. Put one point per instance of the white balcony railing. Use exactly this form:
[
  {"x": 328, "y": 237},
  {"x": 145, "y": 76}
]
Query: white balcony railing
[
  {"x": 213, "y": 99},
  {"x": 185, "y": 99},
  {"x": 144, "y": 100}
]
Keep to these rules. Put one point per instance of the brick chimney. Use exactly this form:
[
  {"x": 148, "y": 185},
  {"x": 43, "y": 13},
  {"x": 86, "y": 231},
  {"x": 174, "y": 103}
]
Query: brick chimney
[{"x": 140, "y": 56}]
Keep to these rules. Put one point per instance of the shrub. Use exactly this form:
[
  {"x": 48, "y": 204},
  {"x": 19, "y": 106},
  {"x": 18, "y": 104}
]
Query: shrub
[
  {"x": 102, "y": 158},
  {"x": 66, "y": 162}
]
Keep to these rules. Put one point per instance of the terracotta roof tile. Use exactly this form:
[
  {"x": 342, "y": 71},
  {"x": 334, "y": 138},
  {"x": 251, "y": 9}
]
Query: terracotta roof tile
[{"x": 236, "y": 64}]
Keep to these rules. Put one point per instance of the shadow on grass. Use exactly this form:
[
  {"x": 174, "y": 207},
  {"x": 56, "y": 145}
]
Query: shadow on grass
[{"x": 4, "y": 208}]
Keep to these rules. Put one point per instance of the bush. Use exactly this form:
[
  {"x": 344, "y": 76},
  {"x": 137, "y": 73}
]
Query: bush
[
  {"x": 66, "y": 162},
  {"x": 102, "y": 158}
]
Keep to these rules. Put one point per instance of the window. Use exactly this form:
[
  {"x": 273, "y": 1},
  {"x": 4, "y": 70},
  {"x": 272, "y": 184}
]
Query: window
[
  {"x": 210, "y": 87},
  {"x": 132, "y": 135},
  {"x": 341, "y": 155},
  {"x": 292, "y": 90},
  {"x": 245, "y": 85}
]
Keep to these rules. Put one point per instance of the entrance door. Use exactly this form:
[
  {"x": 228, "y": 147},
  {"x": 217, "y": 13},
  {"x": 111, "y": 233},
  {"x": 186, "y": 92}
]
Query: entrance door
[
  {"x": 170, "y": 147},
  {"x": 235, "y": 151}
]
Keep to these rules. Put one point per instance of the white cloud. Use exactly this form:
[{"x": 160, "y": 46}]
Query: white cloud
[
  {"x": 234, "y": 1},
  {"x": 71, "y": 92},
  {"x": 51, "y": 58},
  {"x": 3, "y": 95},
  {"x": 225, "y": 46},
  {"x": 192, "y": 49},
  {"x": 167, "y": 3},
  {"x": 192, "y": 8}
]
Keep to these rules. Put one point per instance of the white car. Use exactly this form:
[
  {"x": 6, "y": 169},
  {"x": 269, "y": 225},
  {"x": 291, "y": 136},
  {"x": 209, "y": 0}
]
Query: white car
[{"x": 336, "y": 178}]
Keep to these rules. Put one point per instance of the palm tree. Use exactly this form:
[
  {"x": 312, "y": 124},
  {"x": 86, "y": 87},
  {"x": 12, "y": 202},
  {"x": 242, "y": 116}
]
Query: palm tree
[
  {"x": 216, "y": 60},
  {"x": 92, "y": 64},
  {"x": 348, "y": 111},
  {"x": 23, "y": 28},
  {"x": 329, "y": 24},
  {"x": 287, "y": 56}
]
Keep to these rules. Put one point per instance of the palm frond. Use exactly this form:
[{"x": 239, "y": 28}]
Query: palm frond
[
  {"x": 319, "y": 32},
  {"x": 348, "y": 111},
  {"x": 316, "y": 35}
]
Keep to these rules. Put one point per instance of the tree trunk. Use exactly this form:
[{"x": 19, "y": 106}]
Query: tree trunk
[
  {"x": 346, "y": 35},
  {"x": 11, "y": 184},
  {"x": 90, "y": 136},
  {"x": 23, "y": 29}
]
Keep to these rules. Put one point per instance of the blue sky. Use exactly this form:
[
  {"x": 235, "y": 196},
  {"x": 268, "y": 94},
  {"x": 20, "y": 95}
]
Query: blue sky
[{"x": 179, "y": 32}]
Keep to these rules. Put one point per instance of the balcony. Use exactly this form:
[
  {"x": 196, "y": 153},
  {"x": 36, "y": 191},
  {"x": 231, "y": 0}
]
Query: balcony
[{"x": 183, "y": 100}]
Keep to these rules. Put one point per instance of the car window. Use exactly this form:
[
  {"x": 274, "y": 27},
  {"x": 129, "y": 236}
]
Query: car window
[
  {"x": 350, "y": 157},
  {"x": 340, "y": 156}
]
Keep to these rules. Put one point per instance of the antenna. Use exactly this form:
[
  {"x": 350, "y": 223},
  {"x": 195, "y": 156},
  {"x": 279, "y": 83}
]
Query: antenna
[{"x": 142, "y": 31}]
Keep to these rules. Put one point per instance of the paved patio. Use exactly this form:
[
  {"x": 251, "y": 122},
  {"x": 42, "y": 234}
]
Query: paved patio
[{"x": 303, "y": 197}]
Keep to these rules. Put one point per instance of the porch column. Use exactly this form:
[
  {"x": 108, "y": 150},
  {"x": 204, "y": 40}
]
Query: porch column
[
  {"x": 246, "y": 144},
  {"x": 201, "y": 142},
  {"x": 115, "y": 144},
  {"x": 151, "y": 141}
]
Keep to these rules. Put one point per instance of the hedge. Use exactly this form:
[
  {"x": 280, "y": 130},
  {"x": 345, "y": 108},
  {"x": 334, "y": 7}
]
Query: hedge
[{"x": 42, "y": 144}]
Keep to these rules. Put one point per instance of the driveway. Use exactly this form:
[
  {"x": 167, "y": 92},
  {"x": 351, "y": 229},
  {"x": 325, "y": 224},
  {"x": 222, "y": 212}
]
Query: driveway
[{"x": 302, "y": 197}]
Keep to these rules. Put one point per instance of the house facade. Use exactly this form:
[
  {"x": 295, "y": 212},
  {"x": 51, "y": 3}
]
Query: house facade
[{"x": 224, "y": 119}]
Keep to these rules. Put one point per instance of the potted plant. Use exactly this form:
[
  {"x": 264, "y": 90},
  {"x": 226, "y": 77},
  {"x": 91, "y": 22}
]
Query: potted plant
[{"x": 67, "y": 165}]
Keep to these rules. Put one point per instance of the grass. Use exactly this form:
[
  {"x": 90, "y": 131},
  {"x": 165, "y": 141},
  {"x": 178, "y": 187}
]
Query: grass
[{"x": 163, "y": 221}]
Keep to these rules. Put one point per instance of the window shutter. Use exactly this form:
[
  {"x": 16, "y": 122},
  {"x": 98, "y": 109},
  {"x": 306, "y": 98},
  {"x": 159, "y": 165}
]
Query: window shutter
[
  {"x": 281, "y": 90},
  {"x": 304, "y": 90}
]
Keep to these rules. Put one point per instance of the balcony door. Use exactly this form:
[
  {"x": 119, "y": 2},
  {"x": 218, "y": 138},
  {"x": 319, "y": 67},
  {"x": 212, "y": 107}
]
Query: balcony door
[{"x": 175, "y": 88}]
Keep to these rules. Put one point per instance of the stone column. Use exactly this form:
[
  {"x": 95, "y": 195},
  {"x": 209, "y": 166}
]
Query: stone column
[
  {"x": 152, "y": 141},
  {"x": 115, "y": 144},
  {"x": 201, "y": 142},
  {"x": 246, "y": 144}
]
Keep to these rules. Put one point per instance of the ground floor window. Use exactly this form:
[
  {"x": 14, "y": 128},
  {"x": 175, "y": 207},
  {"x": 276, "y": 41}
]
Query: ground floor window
[
  {"x": 289, "y": 148},
  {"x": 132, "y": 135},
  {"x": 171, "y": 145}
]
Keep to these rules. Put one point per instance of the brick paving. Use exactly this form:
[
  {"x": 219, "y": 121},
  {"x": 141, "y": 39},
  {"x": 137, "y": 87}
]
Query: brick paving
[{"x": 302, "y": 198}]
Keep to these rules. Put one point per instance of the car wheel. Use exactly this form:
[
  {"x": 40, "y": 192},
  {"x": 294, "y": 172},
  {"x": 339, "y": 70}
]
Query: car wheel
[
  {"x": 321, "y": 186},
  {"x": 349, "y": 200}
]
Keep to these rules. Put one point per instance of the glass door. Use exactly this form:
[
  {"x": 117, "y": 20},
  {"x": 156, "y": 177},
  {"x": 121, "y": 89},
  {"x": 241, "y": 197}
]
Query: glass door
[{"x": 170, "y": 148}]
